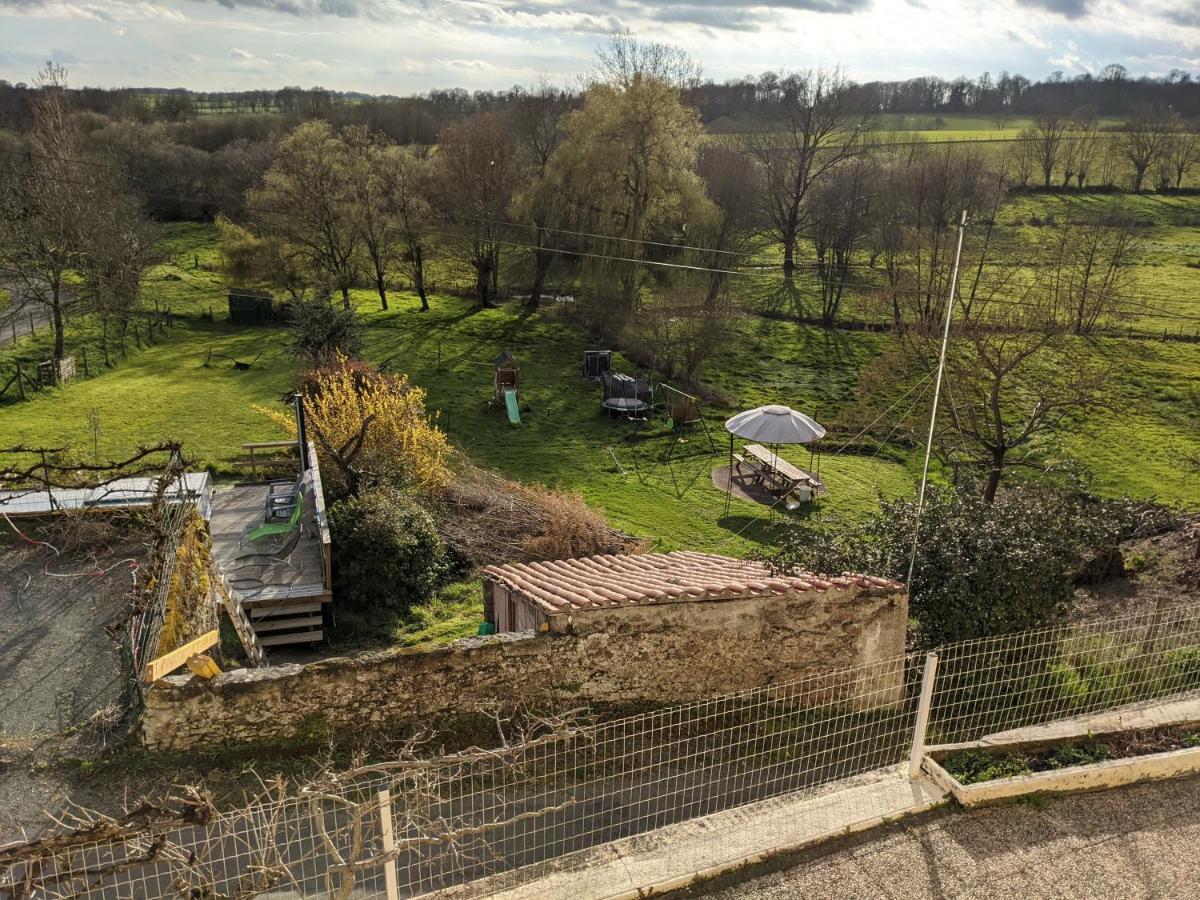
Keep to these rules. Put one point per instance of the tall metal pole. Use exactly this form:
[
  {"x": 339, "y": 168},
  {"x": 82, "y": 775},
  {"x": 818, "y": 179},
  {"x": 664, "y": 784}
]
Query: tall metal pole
[
  {"x": 301, "y": 432},
  {"x": 937, "y": 392}
]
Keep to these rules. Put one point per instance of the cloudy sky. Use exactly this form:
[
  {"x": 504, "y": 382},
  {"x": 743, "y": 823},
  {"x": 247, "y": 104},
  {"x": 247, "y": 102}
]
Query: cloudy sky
[{"x": 404, "y": 46}]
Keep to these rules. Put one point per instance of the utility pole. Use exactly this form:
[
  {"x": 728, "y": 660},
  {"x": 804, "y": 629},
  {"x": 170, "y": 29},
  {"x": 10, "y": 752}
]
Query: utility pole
[{"x": 937, "y": 392}]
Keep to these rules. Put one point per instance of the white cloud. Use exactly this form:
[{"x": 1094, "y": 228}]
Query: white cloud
[
  {"x": 399, "y": 46},
  {"x": 246, "y": 56}
]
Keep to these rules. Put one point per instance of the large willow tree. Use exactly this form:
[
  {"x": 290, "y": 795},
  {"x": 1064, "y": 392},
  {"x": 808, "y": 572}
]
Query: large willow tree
[{"x": 624, "y": 173}]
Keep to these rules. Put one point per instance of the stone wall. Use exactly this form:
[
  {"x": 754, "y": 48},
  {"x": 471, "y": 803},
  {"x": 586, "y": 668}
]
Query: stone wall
[{"x": 661, "y": 653}]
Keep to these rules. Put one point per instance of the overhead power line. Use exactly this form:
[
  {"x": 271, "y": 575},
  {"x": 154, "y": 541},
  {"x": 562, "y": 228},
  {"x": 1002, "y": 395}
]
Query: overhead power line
[{"x": 1142, "y": 309}]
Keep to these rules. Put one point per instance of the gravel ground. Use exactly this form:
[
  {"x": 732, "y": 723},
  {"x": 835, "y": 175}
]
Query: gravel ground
[
  {"x": 58, "y": 667},
  {"x": 1134, "y": 842}
]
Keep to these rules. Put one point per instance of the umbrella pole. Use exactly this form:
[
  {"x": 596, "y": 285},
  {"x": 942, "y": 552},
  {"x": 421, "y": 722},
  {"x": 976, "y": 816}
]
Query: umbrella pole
[{"x": 729, "y": 483}]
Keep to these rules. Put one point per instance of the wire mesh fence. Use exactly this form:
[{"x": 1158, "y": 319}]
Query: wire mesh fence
[
  {"x": 1013, "y": 681},
  {"x": 484, "y": 821},
  {"x": 142, "y": 638}
]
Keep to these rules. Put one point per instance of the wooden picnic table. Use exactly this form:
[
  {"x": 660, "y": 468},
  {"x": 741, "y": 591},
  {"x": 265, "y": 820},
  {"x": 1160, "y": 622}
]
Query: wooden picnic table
[
  {"x": 790, "y": 476},
  {"x": 263, "y": 445}
]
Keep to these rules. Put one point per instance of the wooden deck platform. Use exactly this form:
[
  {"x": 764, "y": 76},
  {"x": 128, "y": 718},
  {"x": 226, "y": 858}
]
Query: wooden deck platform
[{"x": 283, "y": 599}]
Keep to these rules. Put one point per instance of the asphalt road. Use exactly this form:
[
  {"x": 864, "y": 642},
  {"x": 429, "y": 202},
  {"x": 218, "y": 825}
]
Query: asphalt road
[{"x": 1136, "y": 842}]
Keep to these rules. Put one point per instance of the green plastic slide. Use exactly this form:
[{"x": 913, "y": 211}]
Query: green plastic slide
[{"x": 510, "y": 400}]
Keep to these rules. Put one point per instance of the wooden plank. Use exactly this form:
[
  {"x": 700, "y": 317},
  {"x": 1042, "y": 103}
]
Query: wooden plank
[
  {"x": 169, "y": 662},
  {"x": 304, "y": 637},
  {"x": 260, "y": 445},
  {"x": 265, "y": 612},
  {"x": 291, "y": 622},
  {"x": 390, "y": 882}
]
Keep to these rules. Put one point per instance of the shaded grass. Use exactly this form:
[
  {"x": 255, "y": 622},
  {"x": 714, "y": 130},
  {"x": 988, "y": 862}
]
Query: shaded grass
[{"x": 454, "y": 612}]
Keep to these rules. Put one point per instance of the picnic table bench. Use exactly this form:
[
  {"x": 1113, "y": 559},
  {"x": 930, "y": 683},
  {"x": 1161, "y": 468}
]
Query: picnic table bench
[{"x": 786, "y": 477}]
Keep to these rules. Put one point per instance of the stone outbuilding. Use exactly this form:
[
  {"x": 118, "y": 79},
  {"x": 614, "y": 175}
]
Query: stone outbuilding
[{"x": 842, "y": 620}]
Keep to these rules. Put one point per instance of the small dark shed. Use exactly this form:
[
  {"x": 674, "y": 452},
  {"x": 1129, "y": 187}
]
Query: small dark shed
[{"x": 250, "y": 307}]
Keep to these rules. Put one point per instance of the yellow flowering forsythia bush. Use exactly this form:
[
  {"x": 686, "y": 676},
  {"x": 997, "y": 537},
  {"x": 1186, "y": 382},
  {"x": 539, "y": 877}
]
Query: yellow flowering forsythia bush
[
  {"x": 188, "y": 613},
  {"x": 399, "y": 442}
]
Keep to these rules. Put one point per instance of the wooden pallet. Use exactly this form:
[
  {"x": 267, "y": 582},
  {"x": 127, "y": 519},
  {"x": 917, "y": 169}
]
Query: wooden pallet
[{"x": 282, "y": 623}]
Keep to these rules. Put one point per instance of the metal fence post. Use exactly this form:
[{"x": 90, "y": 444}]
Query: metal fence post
[
  {"x": 388, "y": 842},
  {"x": 918, "y": 741}
]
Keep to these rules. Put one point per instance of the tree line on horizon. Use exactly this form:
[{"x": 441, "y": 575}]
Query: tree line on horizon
[{"x": 726, "y": 105}]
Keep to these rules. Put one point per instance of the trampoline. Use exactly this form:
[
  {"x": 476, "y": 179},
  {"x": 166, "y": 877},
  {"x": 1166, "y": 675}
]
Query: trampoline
[{"x": 625, "y": 405}]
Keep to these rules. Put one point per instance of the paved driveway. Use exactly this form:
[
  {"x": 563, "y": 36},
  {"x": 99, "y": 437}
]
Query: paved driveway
[{"x": 1136, "y": 842}]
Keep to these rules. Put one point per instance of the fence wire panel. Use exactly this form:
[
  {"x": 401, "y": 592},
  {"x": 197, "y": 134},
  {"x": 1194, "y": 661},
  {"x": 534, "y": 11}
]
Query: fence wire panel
[
  {"x": 487, "y": 820},
  {"x": 300, "y": 847},
  {"x": 996, "y": 684},
  {"x": 141, "y": 640},
  {"x": 522, "y": 809}
]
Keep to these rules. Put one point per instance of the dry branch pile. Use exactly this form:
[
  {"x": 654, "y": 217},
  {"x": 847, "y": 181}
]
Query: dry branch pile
[{"x": 491, "y": 520}]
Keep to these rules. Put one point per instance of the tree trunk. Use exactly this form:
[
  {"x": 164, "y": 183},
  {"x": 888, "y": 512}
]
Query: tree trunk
[
  {"x": 345, "y": 297},
  {"x": 483, "y": 280},
  {"x": 381, "y": 287},
  {"x": 789, "y": 258},
  {"x": 419, "y": 276},
  {"x": 994, "y": 476},
  {"x": 541, "y": 265},
  {"x": 59, "y": 337}
]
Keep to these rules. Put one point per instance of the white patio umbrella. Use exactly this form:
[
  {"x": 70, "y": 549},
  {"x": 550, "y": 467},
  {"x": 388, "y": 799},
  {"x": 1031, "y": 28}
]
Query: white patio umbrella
[{"x": 774, "y": 425}]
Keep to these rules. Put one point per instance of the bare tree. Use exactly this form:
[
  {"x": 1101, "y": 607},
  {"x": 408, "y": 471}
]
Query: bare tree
[
  {"x": 839, "y": 215},
  {"x": 477, "y": 170},
  {"x": 1016, "y": 381},
  {"x": 405, "y": 180},
  {"x": 624, "y": 60},
  {"x": 536, "y": 121},
  {"x": 1020, "y": 161},
  {"x": 734, "y": 185},
  {"x": 307, "y": 200},
  {"x": 812, "y": 125},
  {"x": 376, "y": 218},
  {"x": 1080, "y": 147},
  {"x": 1046, "y": 135},
  {"x": 931, "y": 189},
  {"x": 65, "y": 211},
  {"x": 1183, "y": 151},
  {"x": 1146, "y": 139},
  {"x": 1087, "y": 268}
]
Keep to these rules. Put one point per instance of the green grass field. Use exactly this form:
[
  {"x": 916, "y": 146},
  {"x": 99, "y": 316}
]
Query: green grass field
[{"x": 168, "y": 391}]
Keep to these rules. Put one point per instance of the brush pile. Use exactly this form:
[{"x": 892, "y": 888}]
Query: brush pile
[{"x": 490, "y": 520}]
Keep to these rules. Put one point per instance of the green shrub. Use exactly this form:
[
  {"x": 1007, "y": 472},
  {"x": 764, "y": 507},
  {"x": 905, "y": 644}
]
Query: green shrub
[
  {"x": 1066, "y": 755},
  {"x": 981, "y": 568},
  {"x": 386, "y": 551},
  {"x": 974, "y": 766},
  {"x": 320, "y": 330}
]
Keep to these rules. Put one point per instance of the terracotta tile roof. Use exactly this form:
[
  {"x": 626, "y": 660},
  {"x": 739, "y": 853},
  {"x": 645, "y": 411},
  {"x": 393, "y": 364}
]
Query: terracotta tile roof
[{"x": 606, "y": 581}]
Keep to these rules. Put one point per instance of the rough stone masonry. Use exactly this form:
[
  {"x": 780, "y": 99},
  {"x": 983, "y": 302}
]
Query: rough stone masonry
[{"x": 660, "y": 654}]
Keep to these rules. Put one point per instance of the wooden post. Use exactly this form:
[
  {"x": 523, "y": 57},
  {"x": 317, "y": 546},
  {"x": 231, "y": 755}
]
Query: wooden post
[
  {"x": 388, "y": 843},
  {"x": 253, "y": 464},
  {"x": 20, "y": 382},
  {"x": 918, "y": 741},
  {"x": 136, "y": 337},
  {"x": 86, "y": 372}
]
